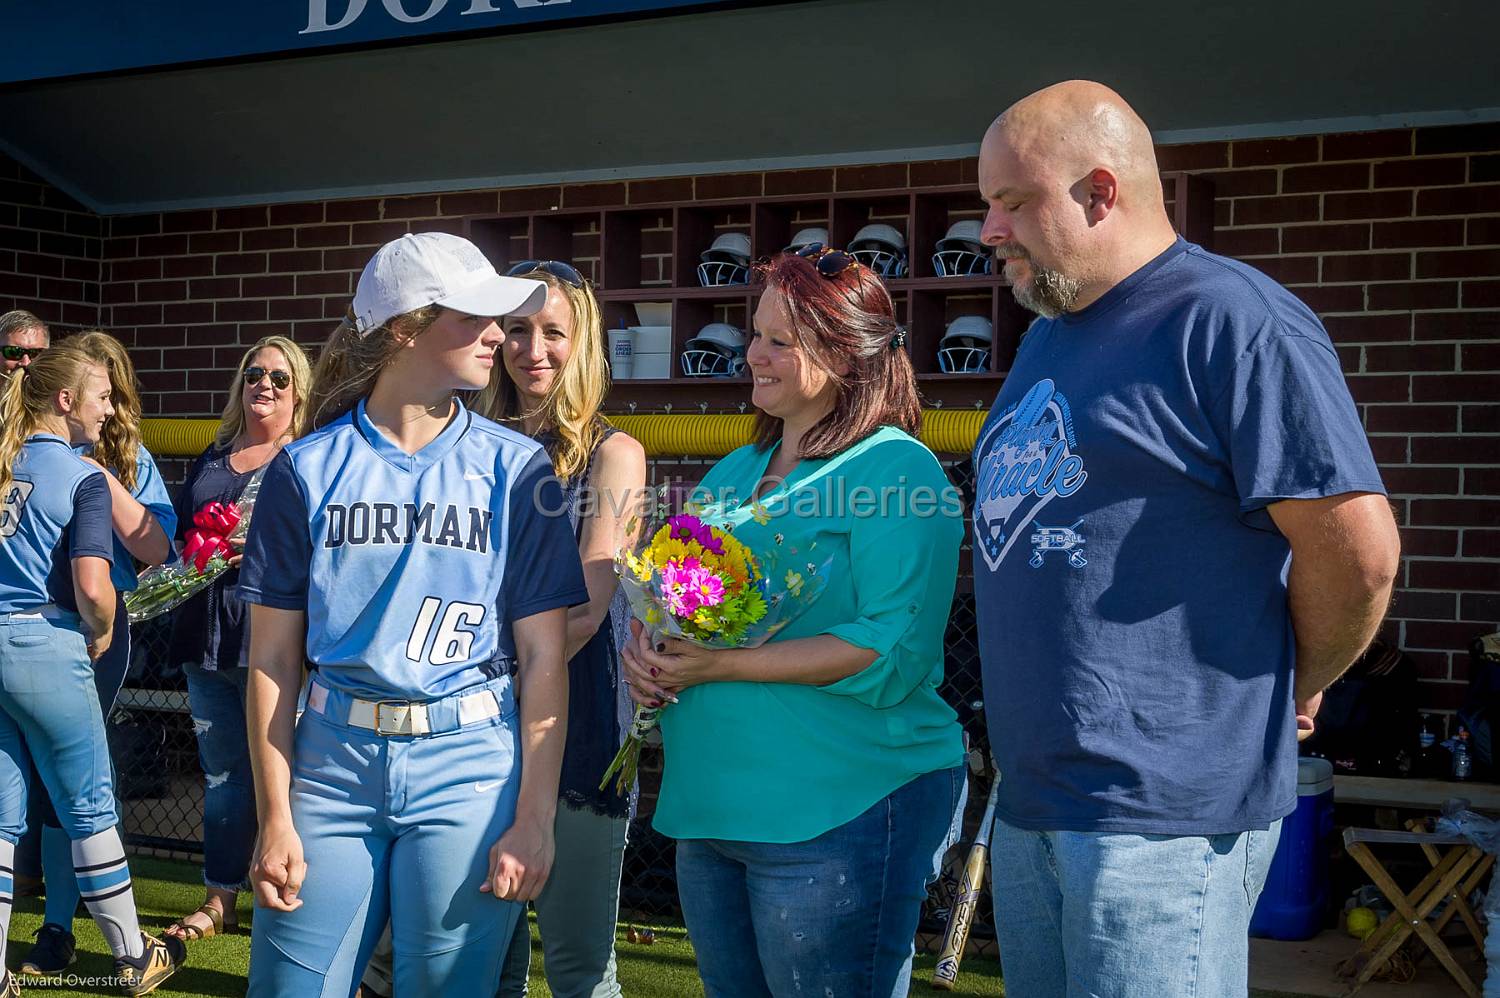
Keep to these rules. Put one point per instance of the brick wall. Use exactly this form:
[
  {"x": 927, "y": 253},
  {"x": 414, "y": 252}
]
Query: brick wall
[
  {"x": 1392, "y": 236},
  {"x": 49, "y": 250}
]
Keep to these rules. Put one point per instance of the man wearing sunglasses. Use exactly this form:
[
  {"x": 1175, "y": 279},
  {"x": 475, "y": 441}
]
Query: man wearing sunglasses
[{"x": 22, "y": 337}]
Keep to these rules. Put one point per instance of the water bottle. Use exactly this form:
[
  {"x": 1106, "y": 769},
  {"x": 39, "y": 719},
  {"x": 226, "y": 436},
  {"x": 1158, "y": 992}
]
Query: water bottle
[
  {"x": 1462, "y": 763},
  {"x": 1428, "y": 764}
]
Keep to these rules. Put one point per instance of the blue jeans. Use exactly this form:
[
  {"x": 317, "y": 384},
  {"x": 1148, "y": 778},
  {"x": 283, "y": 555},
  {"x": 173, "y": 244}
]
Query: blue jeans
[
  {"x": 217, "y": 699},
  {"x": 49, "y": 715},
  {"x": 835, "y": 915},
  {"x": 1126, "y": 916}
]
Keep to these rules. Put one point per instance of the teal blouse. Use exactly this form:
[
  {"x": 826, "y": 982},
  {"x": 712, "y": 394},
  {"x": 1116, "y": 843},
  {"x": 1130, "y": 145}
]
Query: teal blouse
[{"x": 778, "y": 762}]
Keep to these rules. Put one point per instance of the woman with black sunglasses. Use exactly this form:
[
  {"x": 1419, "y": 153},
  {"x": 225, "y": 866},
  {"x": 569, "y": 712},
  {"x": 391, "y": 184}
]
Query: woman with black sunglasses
[{"x": 210, "y": 636}]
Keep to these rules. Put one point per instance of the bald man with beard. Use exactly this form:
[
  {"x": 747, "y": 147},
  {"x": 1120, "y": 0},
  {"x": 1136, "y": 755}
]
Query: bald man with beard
[{"x": 1180, "y": 539}]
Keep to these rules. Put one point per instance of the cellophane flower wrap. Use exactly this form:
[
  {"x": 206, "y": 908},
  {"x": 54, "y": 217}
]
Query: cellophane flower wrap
[
  {"x": 205, "y": 556},
  {"x": 689, "y": 578}
]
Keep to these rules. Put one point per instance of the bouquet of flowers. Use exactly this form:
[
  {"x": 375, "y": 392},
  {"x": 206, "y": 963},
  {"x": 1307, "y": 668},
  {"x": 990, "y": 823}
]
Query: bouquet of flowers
[
  {"x": 204, "y": 558},
  {"x": 694, "y": 581}
]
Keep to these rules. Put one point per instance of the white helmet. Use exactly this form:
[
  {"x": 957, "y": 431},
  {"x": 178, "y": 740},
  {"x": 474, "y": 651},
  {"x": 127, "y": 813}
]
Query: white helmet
[
  {"x": 726, "y": 261},
  {"x": 806, "y": 237},
  {"x": 880, "y": 247},
  {"x": 965, "y": 346},
  {"x": 960, "y": 253},
  {"x": 718, "y": 351}
]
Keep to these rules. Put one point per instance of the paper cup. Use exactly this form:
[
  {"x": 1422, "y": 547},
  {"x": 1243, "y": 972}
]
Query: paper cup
[{"x": 621, "y": 354}]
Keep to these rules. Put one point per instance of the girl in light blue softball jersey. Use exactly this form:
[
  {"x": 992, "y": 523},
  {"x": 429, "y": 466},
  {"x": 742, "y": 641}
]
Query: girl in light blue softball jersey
[
  {"x": 414, "y": 555},
  {"x": 144, "y": 522},
  {"x": 57, "y": 618}
]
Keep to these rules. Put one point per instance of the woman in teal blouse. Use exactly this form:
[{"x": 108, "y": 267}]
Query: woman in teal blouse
[{"x": 809, "y": 782}]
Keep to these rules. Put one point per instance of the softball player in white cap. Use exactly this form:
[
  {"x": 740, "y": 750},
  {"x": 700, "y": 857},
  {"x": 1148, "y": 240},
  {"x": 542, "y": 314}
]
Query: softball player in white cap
[{"x": 410, "y": 552}]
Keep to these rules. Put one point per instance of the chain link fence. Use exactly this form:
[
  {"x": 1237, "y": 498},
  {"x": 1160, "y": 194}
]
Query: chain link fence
[{"x": 161, "y": 783}]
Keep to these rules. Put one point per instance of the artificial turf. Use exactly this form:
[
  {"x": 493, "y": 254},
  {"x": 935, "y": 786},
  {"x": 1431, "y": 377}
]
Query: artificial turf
[{"x": 165, "y": 889}]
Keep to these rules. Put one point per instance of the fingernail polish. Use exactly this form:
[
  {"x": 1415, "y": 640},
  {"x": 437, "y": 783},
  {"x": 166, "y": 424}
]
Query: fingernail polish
[
  {"x": 661, "y": 646},
  {"x": 654, "y": 671},
  {"x": 655, "y": 703}
]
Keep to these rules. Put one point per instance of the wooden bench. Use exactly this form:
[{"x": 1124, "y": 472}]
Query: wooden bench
[{"x": 1384, "y": 791}]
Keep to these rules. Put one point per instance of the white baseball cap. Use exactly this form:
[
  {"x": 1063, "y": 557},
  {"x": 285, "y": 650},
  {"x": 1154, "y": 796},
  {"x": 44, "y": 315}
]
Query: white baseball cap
[{"x": 435, "y": 268}]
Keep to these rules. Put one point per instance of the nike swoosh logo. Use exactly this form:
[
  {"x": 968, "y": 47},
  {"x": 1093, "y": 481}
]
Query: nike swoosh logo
[
  {"x": 476, "y": 476},
  {"x": 484, "y": 788}
]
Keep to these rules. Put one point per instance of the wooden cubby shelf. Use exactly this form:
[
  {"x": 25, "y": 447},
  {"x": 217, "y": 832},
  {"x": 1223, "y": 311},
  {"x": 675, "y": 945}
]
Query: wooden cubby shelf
[{"x": 650, "y": 254}]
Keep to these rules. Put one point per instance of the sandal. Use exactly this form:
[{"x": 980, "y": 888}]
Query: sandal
[{"x": 188, "y": 932}]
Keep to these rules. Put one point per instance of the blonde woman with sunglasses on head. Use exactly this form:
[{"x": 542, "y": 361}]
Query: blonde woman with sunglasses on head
[{"x": 210, "y": 632}]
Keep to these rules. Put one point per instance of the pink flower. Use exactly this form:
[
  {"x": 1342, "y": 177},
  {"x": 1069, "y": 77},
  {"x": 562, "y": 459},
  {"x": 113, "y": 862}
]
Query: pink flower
[
  {"x": 708, "y": 587},
  {"x": 677, "y": 586}
]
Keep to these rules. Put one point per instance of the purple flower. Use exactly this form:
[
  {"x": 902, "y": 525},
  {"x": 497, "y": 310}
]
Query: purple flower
[{"x": 690, "y": 528}]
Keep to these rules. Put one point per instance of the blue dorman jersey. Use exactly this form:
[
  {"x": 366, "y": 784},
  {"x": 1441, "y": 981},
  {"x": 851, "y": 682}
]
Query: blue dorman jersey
[
  {"x": 411, "y": 567},
  {"x": 150, "y": 491},
  {"x": 56, "y": 509}
]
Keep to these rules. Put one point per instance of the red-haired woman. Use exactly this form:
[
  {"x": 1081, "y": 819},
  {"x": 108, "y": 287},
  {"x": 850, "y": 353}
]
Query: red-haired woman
[{"x": 809, "y": 782}]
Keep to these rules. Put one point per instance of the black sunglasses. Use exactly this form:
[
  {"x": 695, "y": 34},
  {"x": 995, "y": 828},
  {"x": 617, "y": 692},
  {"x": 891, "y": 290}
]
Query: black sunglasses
[
  {"x": 279, "y": 379},
  {"x": 831, "y": 262},
  {"x": 16, "y": 353},
  {"x": 564, "y": 272}
]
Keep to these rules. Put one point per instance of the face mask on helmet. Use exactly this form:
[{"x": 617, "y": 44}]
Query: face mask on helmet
[
  {"x": 718, "y": 351},
  {"x": 806, "y": 237},
  {"x": 726, "y": 261},
  {"x": 965, "y": 347},
  {"x": 960, "y": 253},
  {"x": 881, "y": 248}
]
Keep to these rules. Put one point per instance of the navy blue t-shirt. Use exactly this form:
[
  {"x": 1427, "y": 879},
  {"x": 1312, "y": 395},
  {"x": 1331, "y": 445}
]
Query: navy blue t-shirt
[{"x": 1130, "y": 585}]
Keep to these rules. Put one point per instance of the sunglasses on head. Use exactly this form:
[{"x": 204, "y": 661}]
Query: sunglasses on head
[
  {"x": 564, "y": 272},
  {"x": 279, "y": 379},
  {"x": 830, "y": 262},
  {"x": 16, "y": 353}
]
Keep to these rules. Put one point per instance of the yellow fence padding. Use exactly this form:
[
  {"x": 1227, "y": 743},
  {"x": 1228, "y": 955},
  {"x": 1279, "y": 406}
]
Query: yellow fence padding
[{"x": 946, "y": 431}]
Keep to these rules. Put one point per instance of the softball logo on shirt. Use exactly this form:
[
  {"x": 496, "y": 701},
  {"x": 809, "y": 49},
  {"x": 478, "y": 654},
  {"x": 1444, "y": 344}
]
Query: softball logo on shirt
[
  {"x": 1027, "y": 458},
  {"x": 15, "y": 502}
]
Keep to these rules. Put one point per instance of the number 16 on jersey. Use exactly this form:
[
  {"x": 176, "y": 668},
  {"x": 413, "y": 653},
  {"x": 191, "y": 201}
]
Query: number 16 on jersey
[{"x": 455, "y": 635}]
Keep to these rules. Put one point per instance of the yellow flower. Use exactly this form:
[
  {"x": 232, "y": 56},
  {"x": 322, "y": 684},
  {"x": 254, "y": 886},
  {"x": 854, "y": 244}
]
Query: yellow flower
[
  {"x": 761, "y": 514},
  {"x": 794, "y": 583}
]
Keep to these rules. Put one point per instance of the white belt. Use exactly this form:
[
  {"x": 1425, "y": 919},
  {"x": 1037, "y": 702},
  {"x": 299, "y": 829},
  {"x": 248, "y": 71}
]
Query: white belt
[
  {"x": 47, "y": 611},
  {"x": 403, "y": 717}
]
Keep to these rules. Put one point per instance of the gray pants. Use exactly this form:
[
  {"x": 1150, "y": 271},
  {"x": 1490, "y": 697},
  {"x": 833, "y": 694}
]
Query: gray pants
[{"x": 575, "y": 914}]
